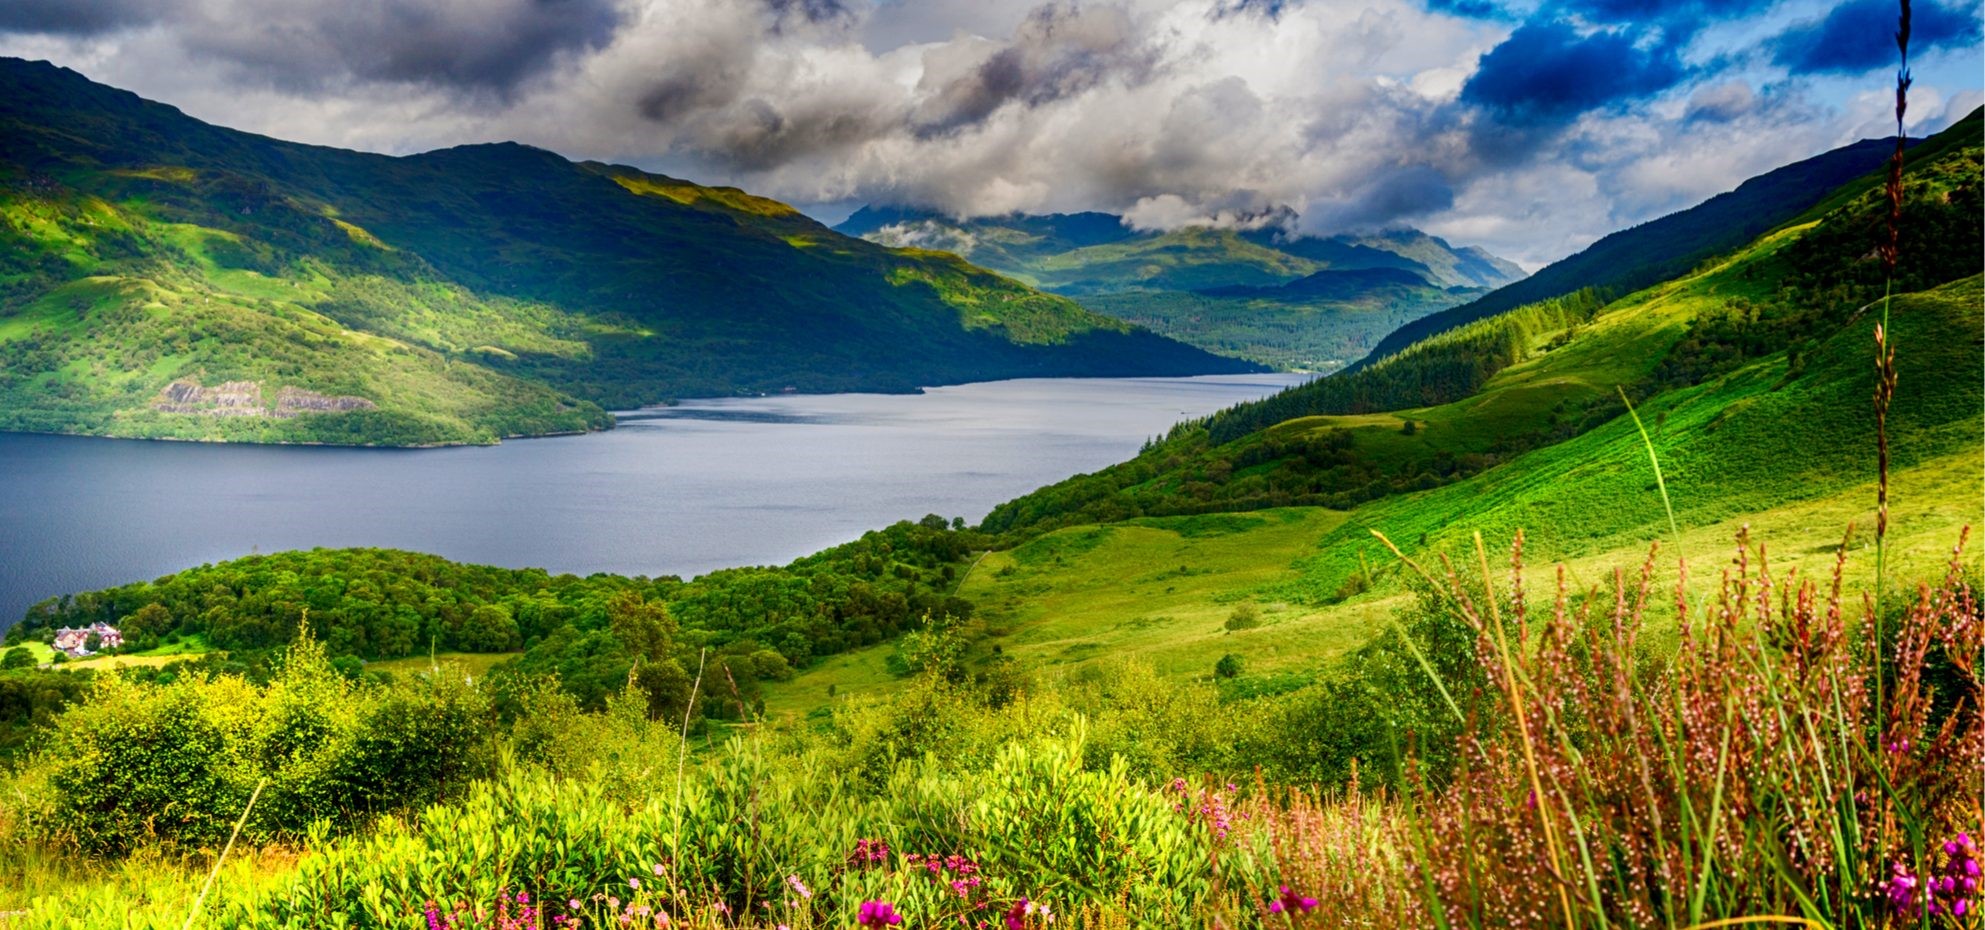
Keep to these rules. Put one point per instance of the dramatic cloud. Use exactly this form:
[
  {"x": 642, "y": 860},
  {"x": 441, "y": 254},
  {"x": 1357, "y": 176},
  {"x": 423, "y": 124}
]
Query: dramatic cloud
[
  {"x": 1529, "y": 127},
  {"x": 1550, "y": 73},
  {"x": 68, "y": 17},
  {"x": 472, "y": 44},
  {"x": 1859, "y": 36}
]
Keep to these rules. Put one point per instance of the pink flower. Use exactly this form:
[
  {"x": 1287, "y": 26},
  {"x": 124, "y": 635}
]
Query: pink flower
[
  {"x": 1291, "y": 903},
  {"x": 877, "y": 914}
]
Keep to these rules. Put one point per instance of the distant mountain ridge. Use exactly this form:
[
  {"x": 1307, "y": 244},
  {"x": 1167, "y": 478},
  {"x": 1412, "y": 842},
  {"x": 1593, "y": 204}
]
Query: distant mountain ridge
[
  {"x": 1312, "y": 303},
  {"x": 467, "y": 294},
  {"x": 1098, "y": 253}
]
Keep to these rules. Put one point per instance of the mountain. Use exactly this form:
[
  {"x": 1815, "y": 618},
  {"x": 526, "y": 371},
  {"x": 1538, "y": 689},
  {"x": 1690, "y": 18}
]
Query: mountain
[
  {"x": 160, "y": 276},
  {"x": 1319, "y": 322},
  {"x": 1655, "y": 251},
  {"x": 1098, "y": 253},
  {"x": 1182, "y": 282}
]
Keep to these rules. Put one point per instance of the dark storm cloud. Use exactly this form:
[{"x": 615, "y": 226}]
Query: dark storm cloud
[
  {"x": 760, "y": 136},
  {"x": 1059, "y": 51},
  {"x": 1859, "y": 36},
  {"x": 75, "y": 17},
  {"x": 711, "y": 75},
  {"x": 471, "y": 45},
  {"x": 1549, "y": 73}
]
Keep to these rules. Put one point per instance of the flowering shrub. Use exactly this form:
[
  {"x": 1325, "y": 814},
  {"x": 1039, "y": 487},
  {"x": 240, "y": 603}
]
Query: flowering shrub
[
  {"x": 1951, "y": 891},
  {"x": 1775, "y": 765}
]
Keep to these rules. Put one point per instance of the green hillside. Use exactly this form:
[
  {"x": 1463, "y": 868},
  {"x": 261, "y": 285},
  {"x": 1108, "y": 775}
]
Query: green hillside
[
  {"x": 164, "y": 277},
  {"x": 1658, "y": 250}
]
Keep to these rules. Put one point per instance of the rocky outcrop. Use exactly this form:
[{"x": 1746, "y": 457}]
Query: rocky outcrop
[
  {"x": 291, "y": 401},
  {"x": 244, "y": 399}
]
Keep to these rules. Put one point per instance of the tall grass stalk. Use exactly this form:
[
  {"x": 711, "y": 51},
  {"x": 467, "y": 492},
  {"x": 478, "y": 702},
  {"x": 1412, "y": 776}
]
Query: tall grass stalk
[
  {"x": 1660, "y": 482},
  {"x": 1885, "y": 377},
  {"x": 681, "y": 766},
  {"x": 200, "y": 902}
]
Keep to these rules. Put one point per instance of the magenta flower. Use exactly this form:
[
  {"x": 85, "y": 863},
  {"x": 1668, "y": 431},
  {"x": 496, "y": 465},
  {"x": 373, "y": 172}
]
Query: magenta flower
[
  {"x": 877, "y": 914},
  {"x": 1951, "y": 890},
  {"x": 1016, "y": 916},
  {"x": 869, "y": 852},
  {"x": 1291, "y": 903}
]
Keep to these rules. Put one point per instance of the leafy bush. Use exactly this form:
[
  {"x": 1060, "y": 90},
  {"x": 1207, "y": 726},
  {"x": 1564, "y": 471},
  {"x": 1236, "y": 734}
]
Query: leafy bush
[{"x": 175, "y": 763}]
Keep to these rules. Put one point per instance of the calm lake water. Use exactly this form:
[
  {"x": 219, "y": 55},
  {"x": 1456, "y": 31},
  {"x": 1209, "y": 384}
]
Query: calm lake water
[{"x": 680, "y": 490}]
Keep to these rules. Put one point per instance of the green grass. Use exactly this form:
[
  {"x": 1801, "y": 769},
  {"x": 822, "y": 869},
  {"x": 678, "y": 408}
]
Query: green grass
[
  {"x": 1154, "y": 590},
  {"x": 475, "y": 664}
]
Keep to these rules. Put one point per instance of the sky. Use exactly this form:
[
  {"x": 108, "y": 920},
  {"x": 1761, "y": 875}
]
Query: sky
[{"x": 1527, "y": 128}]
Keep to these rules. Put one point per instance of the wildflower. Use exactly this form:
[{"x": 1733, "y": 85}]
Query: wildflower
[
  {"x": 1951, "y": 890},
  {"x": 658, "y": 870},
  {"x": 1291, "y": 903},
  {"x": 869, "y": 852},
  {"x": 1016, "y": 916},
  {"x": 634, "y": 883},
  {"x": 877, "y": 914},
  {"x": 799, "y": 887},
  {"x": 1901, "y": 890}
]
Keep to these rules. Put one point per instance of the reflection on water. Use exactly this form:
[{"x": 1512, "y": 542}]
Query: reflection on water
[{"x": 678, "y": 490}]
